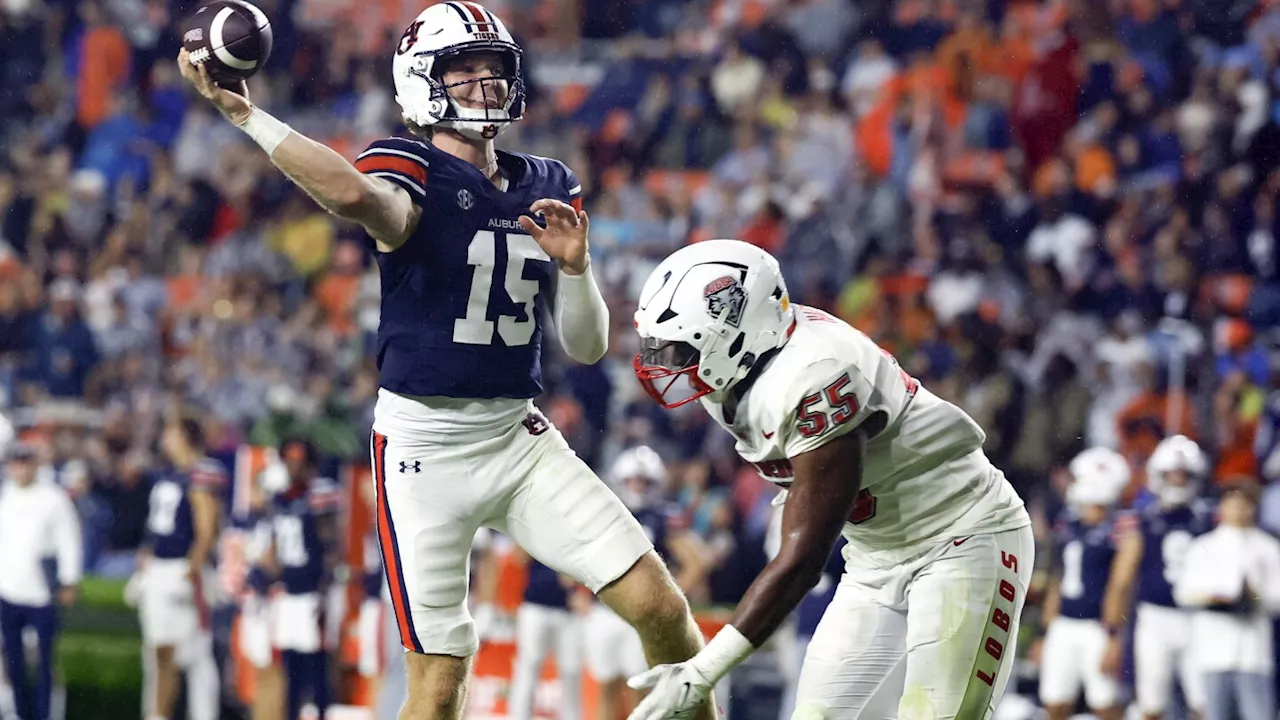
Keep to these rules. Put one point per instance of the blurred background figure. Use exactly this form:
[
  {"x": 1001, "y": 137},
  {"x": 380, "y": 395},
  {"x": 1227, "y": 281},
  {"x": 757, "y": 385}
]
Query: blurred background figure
[
  {"x": 1231, "y": 580},
  {"x": 1151, "y": 550},
  {"x": 1075, "y": 639},
  {"x": 614, "y": 652},
  {"x": 173, "y": 584},
  {"x": 546, "y": 627},
  {"x": 302, "y": 558},
  {"x": 40, "y": 569}
]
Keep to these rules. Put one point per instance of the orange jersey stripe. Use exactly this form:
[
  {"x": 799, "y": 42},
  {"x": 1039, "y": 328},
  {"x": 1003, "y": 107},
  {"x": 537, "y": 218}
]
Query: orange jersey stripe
[
  {"x": 391, "y": 163},
  {"x": 576, "y": 202}
]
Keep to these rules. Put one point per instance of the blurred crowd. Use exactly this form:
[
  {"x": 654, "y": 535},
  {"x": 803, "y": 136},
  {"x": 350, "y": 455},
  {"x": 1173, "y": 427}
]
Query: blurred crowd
[{"x": 1059, "y": 214}]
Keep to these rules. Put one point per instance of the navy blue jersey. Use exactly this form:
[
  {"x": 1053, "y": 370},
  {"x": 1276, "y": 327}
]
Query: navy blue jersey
[
  {"x": 257, "y": 528},
  {"x": 1083, "y": 562},
  {"x": 544, "y": 588},
  {"x": 814, "y": 605},
  {"x": 1166, "y": 535},
  {"x": 170, "y": 527},
  {"x": 463, "y": 298},
  {"x": 295, "y": 533},
  {"x": 657, "y": 521}
]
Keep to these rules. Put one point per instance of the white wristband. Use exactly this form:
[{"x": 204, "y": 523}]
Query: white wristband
[
  {"x": 265, "y": 130},
  {"x": 728, "y": 648}
]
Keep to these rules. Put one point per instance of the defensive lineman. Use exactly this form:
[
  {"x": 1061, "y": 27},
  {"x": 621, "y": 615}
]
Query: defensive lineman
[
  {"x": 924, "y": 621},
  {"x": 466, "y": 275}
]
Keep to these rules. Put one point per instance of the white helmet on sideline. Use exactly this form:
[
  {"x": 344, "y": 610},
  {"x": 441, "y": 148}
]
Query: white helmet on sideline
[
  {"x": 1099, "y": 477},
  {"x": 1178, "y": 453},
  {"x": 638, "y": 463},
  {"x": 447, "y": 30}
]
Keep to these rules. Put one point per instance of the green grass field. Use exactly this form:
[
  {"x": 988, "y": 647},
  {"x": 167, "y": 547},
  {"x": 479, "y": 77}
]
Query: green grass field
[{"x": 99, "y": 655}]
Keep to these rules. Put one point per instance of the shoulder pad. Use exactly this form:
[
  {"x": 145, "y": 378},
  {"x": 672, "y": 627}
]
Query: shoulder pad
[{"x": 400, "y": 160}]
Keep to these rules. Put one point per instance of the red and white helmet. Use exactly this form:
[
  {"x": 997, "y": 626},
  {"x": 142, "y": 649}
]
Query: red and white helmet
[
  {"x": 708, "y": 313},
  {"x": 1099, "y": 477},
  {"x": 443, "y": 31}
]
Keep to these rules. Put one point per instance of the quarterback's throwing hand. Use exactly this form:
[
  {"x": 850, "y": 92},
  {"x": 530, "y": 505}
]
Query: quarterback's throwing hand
[
  {"x": 236, "y": 108},
  {"x": 678, "y": 692},
  {"x": 565, "y": 236}
]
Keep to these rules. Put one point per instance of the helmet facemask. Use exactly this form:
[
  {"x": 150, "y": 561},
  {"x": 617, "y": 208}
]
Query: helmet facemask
[
  {"x": 708, "y": 314},
  {"x": 444, "y": 110},
  {"x": 662, "y": 364}
]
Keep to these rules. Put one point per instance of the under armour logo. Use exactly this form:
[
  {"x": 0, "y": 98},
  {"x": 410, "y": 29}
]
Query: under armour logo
[
  {"x": 465, "y": 200},
  {"x": 416, "y": 465}
]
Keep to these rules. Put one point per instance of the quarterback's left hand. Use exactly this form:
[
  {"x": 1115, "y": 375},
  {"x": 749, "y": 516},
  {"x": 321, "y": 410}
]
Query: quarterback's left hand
[
  {"x": 565, "y": 236},
  {"x": 678, "y": 691}
]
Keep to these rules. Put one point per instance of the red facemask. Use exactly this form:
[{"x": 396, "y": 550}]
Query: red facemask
[{"x": 660, "y": 366}]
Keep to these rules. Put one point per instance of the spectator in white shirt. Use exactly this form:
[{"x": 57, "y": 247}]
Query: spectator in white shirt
[
  {"x": 736, "y": 80},
  {"x": 866, "y": 76},
  {"x": 38, "y": 526},
  {"x": 1232, "y": 577}
]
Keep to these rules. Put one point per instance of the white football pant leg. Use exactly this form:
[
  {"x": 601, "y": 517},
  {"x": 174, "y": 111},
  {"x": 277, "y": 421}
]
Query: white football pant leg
[
  {"x": 1161, "y": 654},
  {"x": 427, "y": 509},
  {"x": 1060, "y": 668},
  {"x": 963, "y": 610},
  {"x": 203, "y": 691},
  {"x": 562, "y": 514},
  {"x": 535, "y": 636},
  {"x": 1072, "y": 660},
  {"x": 569, "y": 665},
  {"x": 855, "y": 665}
]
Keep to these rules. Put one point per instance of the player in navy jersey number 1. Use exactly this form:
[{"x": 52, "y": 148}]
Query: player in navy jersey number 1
[
  {"x": 1075, "y": 639},
  {"x": 474, "y": 246}
]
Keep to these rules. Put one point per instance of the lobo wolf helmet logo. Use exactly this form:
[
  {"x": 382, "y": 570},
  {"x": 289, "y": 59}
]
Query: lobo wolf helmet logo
[{"x": 726, "y": 293}]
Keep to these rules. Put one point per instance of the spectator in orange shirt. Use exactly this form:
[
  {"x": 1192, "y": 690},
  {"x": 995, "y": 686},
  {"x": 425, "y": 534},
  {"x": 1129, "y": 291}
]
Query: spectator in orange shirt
[
  {"x": 336, "y": 291},
  {"x": 1143, "y": 422},
  {"x": 104, "y": 66}
]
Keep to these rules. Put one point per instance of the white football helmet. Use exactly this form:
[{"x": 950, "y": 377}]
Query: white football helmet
[
  {"x": 1174, "y": 454},
  {"x": 444, "y": 31},
  {"x": 1099, "y": 477},
  {"x": 642, "y": 463},
  {"x": 708, "y": 313}
]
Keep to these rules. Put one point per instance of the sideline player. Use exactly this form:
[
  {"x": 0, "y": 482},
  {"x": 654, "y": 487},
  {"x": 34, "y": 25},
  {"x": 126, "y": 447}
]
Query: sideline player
[
  {"x": 302, "y": 555},
  {"x": 1075, "y": 639},
  {"x": 613, "y": 649},
  {"x": 546, "y": 624},
  {"x": 940, "y": 549},
  {"x": 467, "y": 273},
  {"x": 182, "y": 527},
  {"x": 1153, "y": 546}
]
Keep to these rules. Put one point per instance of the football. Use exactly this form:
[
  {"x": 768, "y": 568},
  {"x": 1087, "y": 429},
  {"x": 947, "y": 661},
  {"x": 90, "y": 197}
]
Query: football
[{"x": 230, "y": 37}]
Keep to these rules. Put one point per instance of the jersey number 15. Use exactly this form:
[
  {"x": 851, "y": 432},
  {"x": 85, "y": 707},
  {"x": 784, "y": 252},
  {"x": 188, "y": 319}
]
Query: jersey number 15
[{"x": 475, "y": 328}]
